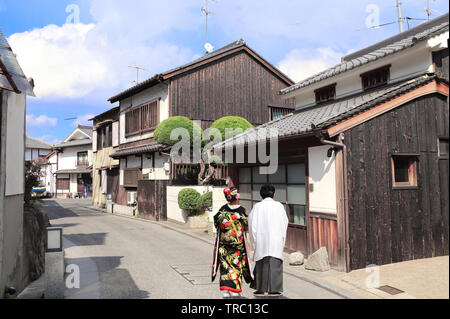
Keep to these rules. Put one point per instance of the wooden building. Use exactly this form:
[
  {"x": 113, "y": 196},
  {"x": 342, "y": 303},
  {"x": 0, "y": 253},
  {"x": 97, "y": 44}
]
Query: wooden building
[
  {"x": 105, "y": 170},
  {"x": 233, "y": 80},
  {"x": 363, "y": 161}
]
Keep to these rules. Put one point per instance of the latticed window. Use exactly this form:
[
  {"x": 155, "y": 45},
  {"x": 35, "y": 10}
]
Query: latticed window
[
  {"x": 325, "y": 94},
  {"x": 142, "y": 119},
  {"x": 376, "y": 77}
]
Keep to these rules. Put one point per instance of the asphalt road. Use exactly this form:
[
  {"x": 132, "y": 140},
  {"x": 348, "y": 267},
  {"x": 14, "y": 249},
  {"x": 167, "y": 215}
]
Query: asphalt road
[{"x": 122, "y": 258}]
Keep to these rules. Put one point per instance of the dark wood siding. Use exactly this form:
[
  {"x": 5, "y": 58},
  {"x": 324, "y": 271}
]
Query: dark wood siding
[
  {"x": 392, "y": 225},
  {"x": 152, "y": 199},
  {"x": 236, "y": 85},
  {"x": 440, "y": 60},
  {"x": 113, "y": 184}
]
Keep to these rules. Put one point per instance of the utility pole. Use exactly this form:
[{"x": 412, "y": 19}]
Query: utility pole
[
  {"x": 400, "y": 17},
  {"x": 138, "y": 68}
]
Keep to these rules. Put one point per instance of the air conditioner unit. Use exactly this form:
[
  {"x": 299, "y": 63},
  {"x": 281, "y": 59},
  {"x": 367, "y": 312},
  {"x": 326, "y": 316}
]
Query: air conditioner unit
[{"x": 132, "y": 198}]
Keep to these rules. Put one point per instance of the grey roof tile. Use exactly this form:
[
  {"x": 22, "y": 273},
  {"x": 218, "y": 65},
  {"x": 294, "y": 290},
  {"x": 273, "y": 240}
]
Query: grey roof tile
[
  {"x": 372, "y": 53},
  {"x": 324, "y": 115}
]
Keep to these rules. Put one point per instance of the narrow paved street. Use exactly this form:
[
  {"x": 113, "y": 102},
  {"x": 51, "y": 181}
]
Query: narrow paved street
[{"x": 124, "y": 258}]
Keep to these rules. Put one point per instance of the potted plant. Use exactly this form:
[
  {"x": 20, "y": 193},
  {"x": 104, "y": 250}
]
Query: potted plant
[{"x": 188, "y": 201}]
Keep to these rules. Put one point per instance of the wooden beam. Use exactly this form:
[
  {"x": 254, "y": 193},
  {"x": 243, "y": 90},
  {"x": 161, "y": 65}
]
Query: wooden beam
[{"x": 430, "y": 88}]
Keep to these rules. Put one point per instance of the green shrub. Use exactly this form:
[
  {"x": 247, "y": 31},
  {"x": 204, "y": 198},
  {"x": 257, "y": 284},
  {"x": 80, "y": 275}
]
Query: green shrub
[
  {"x": 231, "y": 122},
  {"x": 204, "y": 202},
  {"x": 187, "y": 200},
  {"x": 165, "y": 128}
]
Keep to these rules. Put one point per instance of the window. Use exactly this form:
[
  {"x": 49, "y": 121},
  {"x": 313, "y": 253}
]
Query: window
[
  {"x": 290, "y": 189},
  {"x": 325, "y": 94},
  {"x": 82, "y": 159},
  {"x": 278, "y": 112},
  {"x": 131, "y": 177},
  {"x": 443, "y": 148},
  {"x": 107, "y": 135},
  {"x": 141, "y": 119},
  {"x": 404, "y": 171},
  {"x": 376, "y": 77},
  {"x": 99, "y": 138}
]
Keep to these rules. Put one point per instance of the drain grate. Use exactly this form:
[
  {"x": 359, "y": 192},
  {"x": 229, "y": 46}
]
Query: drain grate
[
  {"x": 390, "y": 290},
  {"x": 197, "y": 275}
]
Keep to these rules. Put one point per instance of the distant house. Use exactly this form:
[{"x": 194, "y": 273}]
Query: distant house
[
  {"x": 36, "y": 149},
  {"x": 105, "y": 170},
  {"x": 233, "y": 80},
  {"x": 364, "y": 158},
  {"x": 14, "y": 88},
  {"x": 74, "y": 164}
]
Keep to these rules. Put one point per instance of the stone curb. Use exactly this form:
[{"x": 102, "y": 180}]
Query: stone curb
[{"x": 315, "y": 281}]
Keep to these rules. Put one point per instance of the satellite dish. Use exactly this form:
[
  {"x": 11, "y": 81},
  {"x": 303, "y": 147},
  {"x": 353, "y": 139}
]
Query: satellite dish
[{"x": 209, "y": 48}]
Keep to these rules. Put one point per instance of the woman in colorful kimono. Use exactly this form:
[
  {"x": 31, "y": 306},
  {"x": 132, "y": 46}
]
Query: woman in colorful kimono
[{"x": 230, "y": 253}]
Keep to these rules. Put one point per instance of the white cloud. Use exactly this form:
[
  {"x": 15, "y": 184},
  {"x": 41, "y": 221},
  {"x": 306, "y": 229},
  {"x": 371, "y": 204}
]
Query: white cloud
[
  {"x": 41, "y": 121},
  {"x": 82, "y": 60},
  {"x": 299, "y": 64},
  {"x": 83, "y": 120}
]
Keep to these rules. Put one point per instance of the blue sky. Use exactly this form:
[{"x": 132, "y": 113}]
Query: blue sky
[{"x": 80, "y": 60}]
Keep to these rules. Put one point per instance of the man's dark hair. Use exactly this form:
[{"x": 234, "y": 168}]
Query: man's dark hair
[{"x": 267, "y": 191}]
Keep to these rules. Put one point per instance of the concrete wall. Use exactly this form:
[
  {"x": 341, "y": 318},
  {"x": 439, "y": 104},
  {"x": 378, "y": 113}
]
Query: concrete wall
[
  {"x": 12, "y": 156},
  {"x": 175, "y": 213}
]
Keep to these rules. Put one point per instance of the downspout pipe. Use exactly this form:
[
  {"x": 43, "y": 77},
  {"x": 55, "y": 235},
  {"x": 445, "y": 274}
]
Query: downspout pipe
[{"x": 343, "y": 147}]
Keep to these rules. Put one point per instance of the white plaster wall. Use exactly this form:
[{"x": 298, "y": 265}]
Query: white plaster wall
[
  {"x": 322, "y": 177},
  {"x": 15, "y": 144},
  {"x": 175, "y": 213},
  {"x": 68, "y": 159},
  {"x": 158, "y": 91},
  {"x": 134, "y": 161},
  {"x": 73, "y": 183},
  {"x": 122, "y": 167},
  {"x": 158, "y": 172}
]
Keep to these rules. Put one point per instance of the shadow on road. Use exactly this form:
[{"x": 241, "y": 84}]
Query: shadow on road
[
  {"x": 101, "y": 279},
  {"x": 94, "y": 239}
]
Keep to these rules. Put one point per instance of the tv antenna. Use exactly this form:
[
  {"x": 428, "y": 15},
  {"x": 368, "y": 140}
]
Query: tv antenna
[
  {"x": 402, "y": 19},
  {"x": 138, "y": 68},
  {"x": 208, "y": 47}
]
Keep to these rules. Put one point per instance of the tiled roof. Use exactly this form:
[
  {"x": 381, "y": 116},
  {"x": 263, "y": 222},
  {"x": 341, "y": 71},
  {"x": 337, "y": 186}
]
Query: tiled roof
[
  {"x": 11, "y": 75},
  {"x": 86, "y": 129},
  {"x": 324, "y": 115},
  {"x": 85, "y": 141},
  {"x": 384, "y": 48},
  {"x": 75, "y": 171},
  {"x": 148, "y": 148},
  {"x": 32, "y": 142}
]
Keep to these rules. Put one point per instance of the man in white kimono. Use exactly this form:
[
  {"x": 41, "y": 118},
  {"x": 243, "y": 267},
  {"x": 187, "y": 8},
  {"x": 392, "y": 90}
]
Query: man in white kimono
[{"x": 268, "y": 224}]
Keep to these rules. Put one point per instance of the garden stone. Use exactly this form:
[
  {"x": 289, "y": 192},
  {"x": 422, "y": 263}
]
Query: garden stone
[
  {"x": 296, "y": 259},
  {"x": 318, "y": 261}
]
